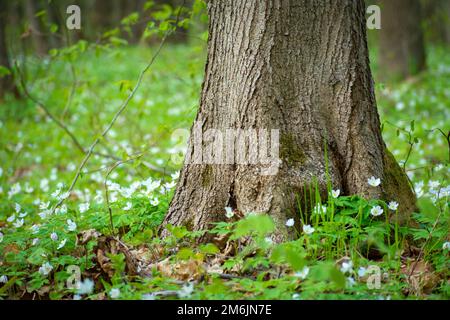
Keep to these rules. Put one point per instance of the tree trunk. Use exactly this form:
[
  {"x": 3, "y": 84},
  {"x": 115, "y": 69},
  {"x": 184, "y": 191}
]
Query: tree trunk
[
  {"x": 402, "y": 49},
  {"x": 437, "y": 21},
  {"x": 37, "y": 34},
  {"x": 300, "y": 67},
  {"x": 6, "y": 82}
]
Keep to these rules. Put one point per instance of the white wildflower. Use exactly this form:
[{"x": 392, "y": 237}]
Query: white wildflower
[
  {"x": 303, "y": 273},
  {"x": 98, "y": 197},
  {"x": 393, "y": 205},
  {"x": 18, "y": 223},
  {"x": 186, "y": 291},
  {"x": 175, "y": 175},
  {"x": 350, "y": 282},
  {"x": 61, "y": 244},
  {"x": 151, "y": 185},
  {"x": 374, "y": 182},
  {"x": 290, "y": 222},
  {"x": 56, "y": 193},
  {"x": 44, "y": 185},
  {"x": 307, "y": 229},
  {"x": 83, "y": 207},
  {"x": 28, "y": 188},
  {"x": 45, "y": 269},
  {"x": 15, "y": 189},
  {"x": 11, "y": 218},
  {"x": 71, "y": 226},
  {"x": 335, "y": 193},
  {"x": 347, "y": 266},
  {"x": 114, "y": 293},
  {"x": 128, "y": 206},
  {"x": 64, "y": 195},
  {"x": 268, "y": 240},
  {"x": 154, "y": 202},
  {"x": 44, "y": 214},
  {"x": 127, "y": 192},
  {"x": 44, "y": 205},
  {"x": 34, "y": 228},
  {"x": 362, "y": 272},
  {"x": 376, "y": 211},
  {"x": 229, "y": 212},
  {"x": 85, "y": 287},
  {"x": 3, "y": 279},
  {"x": 61, "y": 210},
  {"x": 113, "y": 197},
  {"x": 433, "y": 184},
  {"x": 35, "y": 241},
  {"x": 168, "y": 186},
  {"x": 53, "y": 174},
  {"x": 446, "y": 246},
  {"x": 54, "y": 236}
]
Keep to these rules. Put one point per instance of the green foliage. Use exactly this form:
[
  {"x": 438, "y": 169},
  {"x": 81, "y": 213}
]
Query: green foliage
[{"x": 40, "y": 158}]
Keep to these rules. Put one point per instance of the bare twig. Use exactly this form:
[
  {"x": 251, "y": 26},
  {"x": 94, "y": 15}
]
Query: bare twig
[
  {"x": 116, "y": 116},
  {"x": 47, "y": 111}
]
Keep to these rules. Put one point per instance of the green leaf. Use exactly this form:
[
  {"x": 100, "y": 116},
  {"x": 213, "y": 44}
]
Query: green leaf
[
  {"x": 259, "y": 225},
  {"x": 287, "y": 253},
  {"x": 53, "y": 28},
  {"x": 209, "y": 248},
  {"x": 4, "y": 71},
  {"x": 185, "y": 253}
]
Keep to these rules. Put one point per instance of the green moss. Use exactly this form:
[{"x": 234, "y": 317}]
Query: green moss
[
  {"x": 290, "y": 151},
  {"x": 397, "y": 187},
  {"x": 207, "y": 175}
]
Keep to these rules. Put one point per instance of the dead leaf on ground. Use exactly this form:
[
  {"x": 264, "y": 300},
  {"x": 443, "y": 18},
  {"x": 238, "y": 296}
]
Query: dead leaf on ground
[{"x": 422, "y": 280}]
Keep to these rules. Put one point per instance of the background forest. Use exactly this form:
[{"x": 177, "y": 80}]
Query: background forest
[{"x": 90, "y": 158}]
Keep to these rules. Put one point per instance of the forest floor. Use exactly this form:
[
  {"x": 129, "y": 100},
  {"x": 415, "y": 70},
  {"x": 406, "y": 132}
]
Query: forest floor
[{"x": 342, "y": 252}]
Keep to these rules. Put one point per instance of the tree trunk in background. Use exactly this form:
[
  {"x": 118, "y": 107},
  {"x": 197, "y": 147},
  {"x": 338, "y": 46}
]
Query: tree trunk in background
[
  {"x": 6, "y": 82},
  {"x": 437, "y": 21},
  {"x": 301, "y": 67},
  {"x": 446, "y": 22},
  {"x": 37, "y": 34},
  {"x": 402, "y": 49}
]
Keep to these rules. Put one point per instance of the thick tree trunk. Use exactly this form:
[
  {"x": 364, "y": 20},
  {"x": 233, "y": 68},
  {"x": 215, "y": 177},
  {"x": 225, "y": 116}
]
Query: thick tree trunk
[
  {"x": 301, "y": 67},
  {"x": 37, "y": 34},
  {"x": 402, "y": 49},
  {"x": 6, "y": 82}
]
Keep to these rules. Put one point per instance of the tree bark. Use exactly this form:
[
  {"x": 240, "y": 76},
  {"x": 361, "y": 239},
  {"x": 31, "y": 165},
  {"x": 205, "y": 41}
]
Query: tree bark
[
  {"x": 402, "y": 49},
  {"x": 7, "y": 84},
  {"x": 300, "y": 67}
]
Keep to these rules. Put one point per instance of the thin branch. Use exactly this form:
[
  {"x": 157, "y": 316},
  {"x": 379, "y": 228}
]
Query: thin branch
[
  {"x": 47, "y": 111},
  {"x": 113, "y": 121},
  {"x": 119, "y": 111}
]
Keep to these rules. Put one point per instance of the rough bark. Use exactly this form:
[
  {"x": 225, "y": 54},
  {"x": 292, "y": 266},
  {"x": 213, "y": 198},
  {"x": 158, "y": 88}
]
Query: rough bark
[
  {"x": 301, "y": 67},
  {"x": 402, "y": 49}
]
